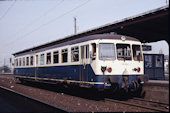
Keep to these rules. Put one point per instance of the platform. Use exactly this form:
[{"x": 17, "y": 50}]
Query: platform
[
  {"x": 158, "y": 83},
  {"x": 156, "y": 90}
]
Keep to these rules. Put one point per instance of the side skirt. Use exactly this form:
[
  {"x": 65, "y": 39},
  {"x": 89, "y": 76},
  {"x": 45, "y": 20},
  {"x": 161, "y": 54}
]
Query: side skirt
[{"x": 55, "y": 81}]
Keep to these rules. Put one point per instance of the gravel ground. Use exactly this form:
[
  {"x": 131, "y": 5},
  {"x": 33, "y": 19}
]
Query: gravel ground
[{"x": 63, "y": 99}]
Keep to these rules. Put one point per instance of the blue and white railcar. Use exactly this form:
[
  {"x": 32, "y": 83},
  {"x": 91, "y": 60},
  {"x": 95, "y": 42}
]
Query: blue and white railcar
[{"x": 102, "y": 61}]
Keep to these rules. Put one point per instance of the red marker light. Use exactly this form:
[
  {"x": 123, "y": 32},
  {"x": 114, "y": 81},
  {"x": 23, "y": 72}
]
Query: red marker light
[
  {"x": 138, "y": 69},
  {"x": 109, "y": 69}
]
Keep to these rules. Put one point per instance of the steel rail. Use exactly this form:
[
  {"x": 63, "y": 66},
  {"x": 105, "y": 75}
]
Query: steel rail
[
  {"x": 135, "y": 105},
  {"x": 30, "y": 102},
  {"x": 146, "y": 100}
]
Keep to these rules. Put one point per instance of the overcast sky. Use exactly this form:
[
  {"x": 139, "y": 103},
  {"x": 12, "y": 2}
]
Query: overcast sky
[{"x": 28, "y": 23}]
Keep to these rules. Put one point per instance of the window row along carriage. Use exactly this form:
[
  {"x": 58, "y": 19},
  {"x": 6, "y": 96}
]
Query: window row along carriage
[{"x": 102, "y": 61}]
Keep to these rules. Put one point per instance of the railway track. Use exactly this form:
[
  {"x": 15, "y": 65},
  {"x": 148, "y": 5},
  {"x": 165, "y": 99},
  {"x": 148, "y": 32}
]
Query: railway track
[
  {"x": 24, "y": 103},
  {"x": 143, "y": 104}
]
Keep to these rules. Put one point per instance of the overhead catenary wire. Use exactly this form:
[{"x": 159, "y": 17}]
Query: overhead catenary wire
[
  {"x": 47, "y": 12},
  {"x": 7, "y": 11},
  {"x": 47, "y": 23},
  {"x": 36, "y": 19}
]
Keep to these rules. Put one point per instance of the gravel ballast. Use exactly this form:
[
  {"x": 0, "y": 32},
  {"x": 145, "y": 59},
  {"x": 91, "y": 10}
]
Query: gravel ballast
[{"x": 61, "y": 99}]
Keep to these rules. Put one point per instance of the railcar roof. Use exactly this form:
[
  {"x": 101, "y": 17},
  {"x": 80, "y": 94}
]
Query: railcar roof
[{"x": 71, "y": 40}]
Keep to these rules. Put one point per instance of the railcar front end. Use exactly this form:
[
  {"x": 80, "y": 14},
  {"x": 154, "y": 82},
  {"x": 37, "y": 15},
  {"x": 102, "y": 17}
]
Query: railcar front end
[{"x": 118, "y": 64}]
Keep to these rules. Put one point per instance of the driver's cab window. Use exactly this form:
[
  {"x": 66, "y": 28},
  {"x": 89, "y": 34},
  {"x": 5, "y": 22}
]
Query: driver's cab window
[
  {"x": 123, "y": 52},
  {"x": 137, "y": 53},
  {"x": 93, "y": 51}
]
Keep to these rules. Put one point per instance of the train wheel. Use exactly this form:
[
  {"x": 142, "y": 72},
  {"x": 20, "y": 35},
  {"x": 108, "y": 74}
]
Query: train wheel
[{"x": 22, "y": 81}]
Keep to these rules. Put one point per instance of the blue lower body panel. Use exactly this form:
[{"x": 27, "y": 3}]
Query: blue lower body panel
[{"x": 73, "y": 73}]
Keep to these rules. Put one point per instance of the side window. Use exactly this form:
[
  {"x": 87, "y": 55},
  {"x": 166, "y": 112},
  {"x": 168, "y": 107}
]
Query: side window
[
  {"x": 23, "y": 61},
  {"x": 36, "y": 59},
  {"x": 20, "y": 61},
  {"x": 158, "y": 61},
  {"x": 31, "y": 60},
  {"x": 75, "y": 54},
  {"x": 27, "y": 61},
  {"x": 93, "y": 51},
  {"x": 16, "y": 62},
  {"x": 87, "y": 51},
  {"x": 55, "y": 57},
  {"x": 42, "y": 59},
  {"x": 64, "y": 53},
  {"x": 48, "y": 60},
  {"x": 82, "y": 52},
  {"x": 148, "y": 59}
]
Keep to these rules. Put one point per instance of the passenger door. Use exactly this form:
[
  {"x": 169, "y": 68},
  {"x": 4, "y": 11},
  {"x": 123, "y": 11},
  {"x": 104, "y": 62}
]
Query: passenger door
[
  {"x": 36, "y": 66},
  {"x": 84, "y": 61}
]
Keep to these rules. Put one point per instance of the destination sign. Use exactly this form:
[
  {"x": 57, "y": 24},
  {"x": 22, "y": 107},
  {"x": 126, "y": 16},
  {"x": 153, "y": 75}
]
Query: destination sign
[{"x": 146, "y": 47}]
